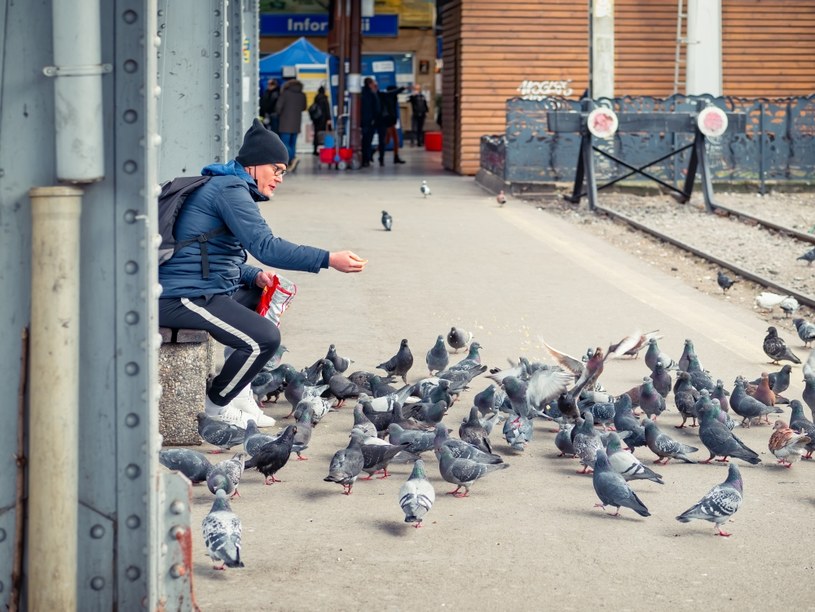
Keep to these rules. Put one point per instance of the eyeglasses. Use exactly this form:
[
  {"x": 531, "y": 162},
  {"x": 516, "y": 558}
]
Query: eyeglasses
[{"x": 280, "y": 171}]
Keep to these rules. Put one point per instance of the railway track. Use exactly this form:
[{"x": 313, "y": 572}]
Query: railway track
[{"x": 803, "y": 299}]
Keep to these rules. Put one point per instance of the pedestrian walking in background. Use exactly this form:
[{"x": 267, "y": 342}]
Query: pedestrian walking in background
[
  {"x": 268, "y": 104},
  {"x": 320, "y": 113},
  {"x": 290, "y": 107},
  {"x": 369, "y": 118},
  {"x": 388, "y": 117},
  {"x": 419, "y": 110}
]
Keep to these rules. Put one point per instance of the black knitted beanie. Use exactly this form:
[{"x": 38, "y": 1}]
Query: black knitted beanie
[{"x": 261, "y": 146}]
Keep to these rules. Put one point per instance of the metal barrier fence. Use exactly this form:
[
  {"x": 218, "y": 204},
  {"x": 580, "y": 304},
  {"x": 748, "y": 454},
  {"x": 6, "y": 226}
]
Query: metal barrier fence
[{"x": 777, "y": 147}]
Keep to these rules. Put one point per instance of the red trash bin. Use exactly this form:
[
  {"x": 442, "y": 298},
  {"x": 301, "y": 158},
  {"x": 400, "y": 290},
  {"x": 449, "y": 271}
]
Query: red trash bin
[{"x": 432, "y": 141}]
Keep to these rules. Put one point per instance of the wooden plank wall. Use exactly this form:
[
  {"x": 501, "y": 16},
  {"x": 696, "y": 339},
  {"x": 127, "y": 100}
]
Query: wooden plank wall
[
  {"x": 645, "y": 48},
  {"x": 768, "y": 48},
  {"x": 503, "y": 44}
]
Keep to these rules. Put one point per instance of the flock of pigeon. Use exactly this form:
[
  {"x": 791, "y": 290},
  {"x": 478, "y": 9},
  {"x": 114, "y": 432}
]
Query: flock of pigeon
[{"x": 401, "y": 424}]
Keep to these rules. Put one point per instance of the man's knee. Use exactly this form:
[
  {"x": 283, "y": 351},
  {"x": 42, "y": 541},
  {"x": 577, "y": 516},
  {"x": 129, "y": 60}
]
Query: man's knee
[{"x": 269, "y": 341}]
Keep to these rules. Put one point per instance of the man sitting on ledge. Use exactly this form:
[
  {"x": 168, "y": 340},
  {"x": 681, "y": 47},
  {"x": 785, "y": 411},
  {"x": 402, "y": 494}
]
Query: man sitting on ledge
[{"x": 219, "y": 292}]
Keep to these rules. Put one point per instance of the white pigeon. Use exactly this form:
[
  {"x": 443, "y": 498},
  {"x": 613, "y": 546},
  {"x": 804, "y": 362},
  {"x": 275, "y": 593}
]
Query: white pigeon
[
  {"x": 425, "y": 189},
  {"x": 222, "y": 533},
  {"x": 416, "y": 495},
  {"x": 501, "y": 198},
  {"x": 769, "y": 300}
]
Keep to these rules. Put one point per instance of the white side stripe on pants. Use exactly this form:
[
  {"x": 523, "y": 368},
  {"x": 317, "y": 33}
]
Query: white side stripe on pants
[{"x": 236, "y": 332}]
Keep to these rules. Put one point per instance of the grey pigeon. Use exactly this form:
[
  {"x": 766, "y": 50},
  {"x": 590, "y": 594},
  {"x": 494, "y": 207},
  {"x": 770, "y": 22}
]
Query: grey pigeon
[
  {"x": 721, "y": 394},
  {"x": 222, "y": 533},
  {"x": 226, "y": 476},
  {"x": 687, "y": 351},
  {"x": 464, "y": 472},
  {"x": 748, "y": 407},
  {"x": 458, "y": 338},
  {"x": 460, "y": 448},
  {"x": 685, "y": 396},
  {"x": 626, "y": 464},
  {"x": 612, "y": 489},
  {"x": 661, "y": 378},
  {"x": 220, "y": 434},
  {"x": 808, "y": 394},
  {"x": 587, "y": 442},
  {"x": 651, "y": 401},
  {"x": 272, "y": 456},
  {"x": 416, "y": 495},
  {"x": 488, "y": 400},
  {"x": 720, "y": 441},
  {"x": 665, "y": 447},
  {"x": 192, "y": 463},
  {"x": 654, "y": 353},
  {"x": 271, "y": 384},
  {"x": 340, "y": 363},
  {"x": 302, "y": 435},
  {"x": 563, "y": 440},
  {"x": 362, "y": 423},
  {"x": 603, "y": 413},
  {"x": 377, "y": 457},
  {"x": 437, "y": 357},
  {"x": 808, "y": 257},
  {"x": 387, "y": 220},
  {"x": 801, "y": 424},
  {"x": 724, "y": 281},
  {"x": 254, "y": 439},
  {"x": 776, "y": 349},
  {"x": 627, "y": 426},
  {"x": 473, "y": 432},
  {"x": 805, "y": 329},
  {"x": 518, "y": 432},
  {"x": 400, "y": 363},
  {"x": 718, "y": 504},
  {"x": 412, "y": 440},
  {"x": 346, "y": 464}
]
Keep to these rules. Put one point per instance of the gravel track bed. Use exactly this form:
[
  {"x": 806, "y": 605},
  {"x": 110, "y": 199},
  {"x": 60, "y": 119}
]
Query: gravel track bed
[{"x": 765, "y": 252}]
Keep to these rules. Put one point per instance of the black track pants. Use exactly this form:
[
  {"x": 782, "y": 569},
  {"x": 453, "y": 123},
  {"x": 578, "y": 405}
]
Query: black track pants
[{"x": 233, "y": 322}]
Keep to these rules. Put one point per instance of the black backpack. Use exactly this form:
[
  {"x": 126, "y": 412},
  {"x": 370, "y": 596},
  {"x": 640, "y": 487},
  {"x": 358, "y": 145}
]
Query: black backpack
[
  {"x": 315, "y": 112},
  {"x": 173, "y": 195}
]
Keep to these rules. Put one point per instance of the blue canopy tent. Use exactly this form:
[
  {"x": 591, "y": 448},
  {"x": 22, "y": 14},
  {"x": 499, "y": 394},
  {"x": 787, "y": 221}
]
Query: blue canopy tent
[{"x": 301, "y": 51}]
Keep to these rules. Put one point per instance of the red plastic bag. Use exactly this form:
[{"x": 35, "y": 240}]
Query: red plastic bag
[{"x": 276, "y": 298}]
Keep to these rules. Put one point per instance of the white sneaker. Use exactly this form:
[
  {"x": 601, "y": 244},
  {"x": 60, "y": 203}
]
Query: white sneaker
[
  {"x": 245, "y": 402},
  {"x": 234, "y": 416}
]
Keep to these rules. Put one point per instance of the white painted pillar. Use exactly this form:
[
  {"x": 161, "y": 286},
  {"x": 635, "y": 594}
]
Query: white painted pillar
[
  {"x": 602, "y": 49},
  {"x": 704, "y": 51}
]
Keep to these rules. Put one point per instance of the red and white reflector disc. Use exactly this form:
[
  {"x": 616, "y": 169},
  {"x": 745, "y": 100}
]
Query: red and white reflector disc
[
  {"x": 712, "y": 121},
  {"x": 603, "y": 122}
]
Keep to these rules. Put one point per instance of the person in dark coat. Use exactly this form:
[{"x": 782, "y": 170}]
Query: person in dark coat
[
  {"x": 290, "y": 107},
  {"x": 419, "y": 110},
  {"x": 388, "y": 117},
  {"x": 223, "y": 302},
  {"x": 323, "y": 122},
  {"x": 268, "y": 103},
  {"x": 368, "y": 119}
]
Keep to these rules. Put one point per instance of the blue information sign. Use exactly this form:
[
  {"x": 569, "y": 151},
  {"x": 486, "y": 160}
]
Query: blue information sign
[{"x": 316, "y": 24}]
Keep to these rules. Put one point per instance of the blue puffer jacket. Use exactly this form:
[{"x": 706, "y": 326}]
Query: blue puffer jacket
[{"x": 229, "y": 199}]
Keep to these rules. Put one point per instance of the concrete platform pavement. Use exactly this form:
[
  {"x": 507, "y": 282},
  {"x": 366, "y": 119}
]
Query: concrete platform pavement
[{"x": 527, "y": 537}]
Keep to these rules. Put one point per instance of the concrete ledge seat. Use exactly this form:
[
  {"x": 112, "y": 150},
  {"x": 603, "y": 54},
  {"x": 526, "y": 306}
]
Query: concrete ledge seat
[{"x": 184, "y": 363}]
